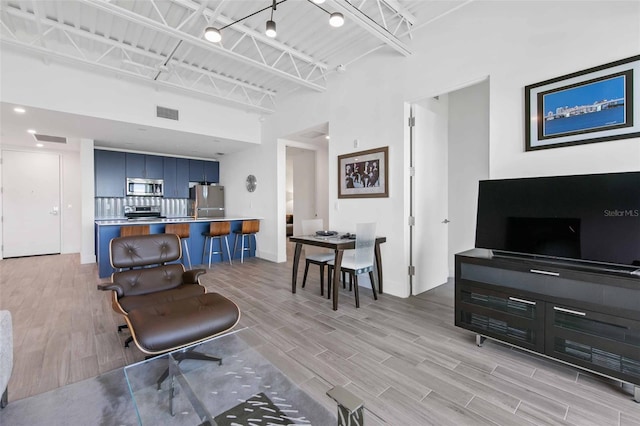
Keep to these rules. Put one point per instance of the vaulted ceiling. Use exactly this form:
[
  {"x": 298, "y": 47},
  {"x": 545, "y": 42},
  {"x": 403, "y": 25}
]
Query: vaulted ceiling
[{"x": 162, "y": 40}]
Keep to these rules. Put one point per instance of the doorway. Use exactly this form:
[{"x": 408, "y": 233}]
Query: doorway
[
  {"x": 31, "y": 203},
  {"x": 450, "y": 147}
]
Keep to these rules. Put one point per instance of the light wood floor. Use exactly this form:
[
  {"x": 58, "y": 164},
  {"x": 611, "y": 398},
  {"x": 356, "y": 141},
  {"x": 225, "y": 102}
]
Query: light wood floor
[{"x": 404, "y": 357}]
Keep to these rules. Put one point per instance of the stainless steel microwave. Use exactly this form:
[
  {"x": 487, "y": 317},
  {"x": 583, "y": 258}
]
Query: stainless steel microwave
[{"x": 145, "y": 187}]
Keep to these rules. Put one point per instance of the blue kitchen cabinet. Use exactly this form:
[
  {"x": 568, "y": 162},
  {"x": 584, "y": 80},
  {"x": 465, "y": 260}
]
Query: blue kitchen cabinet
[
  {"x": 144, "y": 166},
  {"x": 204, "y": 171},
  {"x": 211, "y": 171},
  {"x": 176, "y": 177},
  {"x": 110, "y": 173},
  {"x": 182, "y": 178}
]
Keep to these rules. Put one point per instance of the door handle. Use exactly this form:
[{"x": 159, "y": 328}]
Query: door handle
[{"x": 446, "y": 221}]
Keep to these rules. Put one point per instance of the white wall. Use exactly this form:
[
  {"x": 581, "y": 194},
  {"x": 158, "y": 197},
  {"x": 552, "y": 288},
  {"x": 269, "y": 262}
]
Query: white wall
[
  {"x": 514, "y": 43},
  {"x": 468, "y": 163},
  {"x": 28, "y": 81}
]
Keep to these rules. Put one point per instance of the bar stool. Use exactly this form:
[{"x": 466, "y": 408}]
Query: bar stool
[
  {"x": 217, "y": 230},
  {"x": 129, "y": 230},
  {"x": 249, "y": 228},
  {"x": 182, "y": 231}
]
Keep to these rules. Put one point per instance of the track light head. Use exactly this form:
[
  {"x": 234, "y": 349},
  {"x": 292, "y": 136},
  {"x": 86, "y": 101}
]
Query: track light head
[
  {"x": 271, "y": 29},
  {"x": 336, "y": 19},
  {"x": 212, "y": 34}
]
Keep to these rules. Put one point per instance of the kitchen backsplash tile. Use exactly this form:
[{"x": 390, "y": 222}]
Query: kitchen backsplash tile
[{"x": 108, "y": 208}]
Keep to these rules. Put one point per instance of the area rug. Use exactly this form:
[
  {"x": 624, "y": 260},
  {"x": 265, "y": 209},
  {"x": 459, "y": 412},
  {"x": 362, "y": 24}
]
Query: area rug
[{"x": 247, "y": 389}]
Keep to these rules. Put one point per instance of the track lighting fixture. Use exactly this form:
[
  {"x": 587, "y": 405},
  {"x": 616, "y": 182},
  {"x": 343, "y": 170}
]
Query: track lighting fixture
[
  {"x": 214, "y": 35},
  {"x": 336, "y": 19}
]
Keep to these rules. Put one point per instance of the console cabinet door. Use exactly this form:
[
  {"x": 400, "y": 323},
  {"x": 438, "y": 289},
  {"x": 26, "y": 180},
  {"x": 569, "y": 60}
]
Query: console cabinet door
[
  {"x": 495, "y": 312},
  {"x": 597, "y": 341},
  {"x": 109, "y": 169}
]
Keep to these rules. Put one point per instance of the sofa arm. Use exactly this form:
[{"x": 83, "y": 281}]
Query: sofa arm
[
  {"x": 191, "y": 276},
  {"x": 6, "y": 354}
]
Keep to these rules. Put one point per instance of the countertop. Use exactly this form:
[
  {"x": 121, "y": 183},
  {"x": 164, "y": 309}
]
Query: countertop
[{"x": 190, "y": 219}]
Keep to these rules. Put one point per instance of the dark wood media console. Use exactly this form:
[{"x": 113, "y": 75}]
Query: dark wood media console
[{"x": 586, "y": 317}]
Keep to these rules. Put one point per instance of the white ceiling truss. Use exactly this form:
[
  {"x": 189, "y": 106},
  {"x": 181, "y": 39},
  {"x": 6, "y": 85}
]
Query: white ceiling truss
[{"x": 162, "y": 40}]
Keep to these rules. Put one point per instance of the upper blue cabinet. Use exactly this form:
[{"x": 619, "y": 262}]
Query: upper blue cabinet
[
  {"x": 176, "y": 177},
  {"x": 144, "y": 166},
  {"x": 204, "y": 171},
  {"x": 109, "y": 169}
]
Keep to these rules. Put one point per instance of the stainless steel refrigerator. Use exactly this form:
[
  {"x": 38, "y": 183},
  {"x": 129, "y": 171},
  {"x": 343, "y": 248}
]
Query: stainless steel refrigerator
[{"x": 206, "y": 201}]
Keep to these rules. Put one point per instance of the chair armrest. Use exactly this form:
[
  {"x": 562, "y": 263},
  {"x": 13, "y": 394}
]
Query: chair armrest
[
  {"x": 111, "y": 286},
  {"x": 191, "y": 276}
]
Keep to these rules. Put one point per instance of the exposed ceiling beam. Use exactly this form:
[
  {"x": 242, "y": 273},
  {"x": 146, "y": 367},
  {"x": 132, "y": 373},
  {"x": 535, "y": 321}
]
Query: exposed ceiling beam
[
  {"x": 223, "y": 20},
  {"x": 400, "y": 10},
  {"x": 362, "y": 20},
  {"x": 73, "y": 59},
  {"x": 130, "y": 48},
  {"x": 168, "y": 30}
]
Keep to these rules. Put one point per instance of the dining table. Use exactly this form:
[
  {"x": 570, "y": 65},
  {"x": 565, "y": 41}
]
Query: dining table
[{"x": 338, "y": 243}]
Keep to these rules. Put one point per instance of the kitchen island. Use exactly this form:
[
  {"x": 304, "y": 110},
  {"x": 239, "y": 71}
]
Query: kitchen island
[{"x": 107, "y": 229}]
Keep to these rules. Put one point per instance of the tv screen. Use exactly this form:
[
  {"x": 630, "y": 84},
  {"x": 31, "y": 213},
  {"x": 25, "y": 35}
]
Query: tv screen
[{"x": 594, "y": 218}]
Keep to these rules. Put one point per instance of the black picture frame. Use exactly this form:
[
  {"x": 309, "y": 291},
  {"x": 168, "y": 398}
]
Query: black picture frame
[{"x": 594, "y": 105}]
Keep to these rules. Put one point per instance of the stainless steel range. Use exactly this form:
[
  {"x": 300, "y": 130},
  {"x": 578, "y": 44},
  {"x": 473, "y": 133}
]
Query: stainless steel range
[{"x": 142, "y": 212}]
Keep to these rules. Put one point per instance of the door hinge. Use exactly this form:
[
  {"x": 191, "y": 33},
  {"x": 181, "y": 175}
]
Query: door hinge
[
  {"x": 412, "y": 121},
  {"x": 412, "y": 221},
  {"x": 412, "y": 270},
  {"x": 412, "y": 171}
]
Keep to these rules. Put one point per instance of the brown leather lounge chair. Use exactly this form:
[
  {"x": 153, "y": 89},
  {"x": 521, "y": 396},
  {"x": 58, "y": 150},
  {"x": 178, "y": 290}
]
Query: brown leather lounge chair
[{"x": 164, "y": 306}]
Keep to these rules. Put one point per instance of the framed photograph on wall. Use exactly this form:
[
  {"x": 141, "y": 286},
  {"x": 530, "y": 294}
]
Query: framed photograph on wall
[
  {"x": 595, "y": 105},
  {"x": 364, "y": 174}
]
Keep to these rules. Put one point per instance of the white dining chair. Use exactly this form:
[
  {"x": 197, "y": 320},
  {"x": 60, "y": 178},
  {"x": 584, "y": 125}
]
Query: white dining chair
[
  {"x": 316, "y": 255},
  {"x": 359, "y": 261}
]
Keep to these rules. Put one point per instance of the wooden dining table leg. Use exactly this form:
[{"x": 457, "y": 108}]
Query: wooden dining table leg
[
  {"x": 296, "y": 261},
  {"x": 337, "y": 263},
  {"x": 379, "y": 266}
]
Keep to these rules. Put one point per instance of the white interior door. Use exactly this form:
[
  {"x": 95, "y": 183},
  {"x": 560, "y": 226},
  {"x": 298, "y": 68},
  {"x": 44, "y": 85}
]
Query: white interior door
[
  {"x": 430, "y": 194},
  {"x": 31, "y": 203},
  {"x": 304, "y": 188}
]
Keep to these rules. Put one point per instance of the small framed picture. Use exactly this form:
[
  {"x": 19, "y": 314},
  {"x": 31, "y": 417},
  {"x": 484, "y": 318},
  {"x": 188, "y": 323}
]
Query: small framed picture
[
  {"x": 595, "y": 105},
  {"x": 364, "y": 174}
]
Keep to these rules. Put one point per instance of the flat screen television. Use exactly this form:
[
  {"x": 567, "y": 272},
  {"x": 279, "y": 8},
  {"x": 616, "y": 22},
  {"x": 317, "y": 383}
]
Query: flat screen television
[{"x": 586, "y": 218}]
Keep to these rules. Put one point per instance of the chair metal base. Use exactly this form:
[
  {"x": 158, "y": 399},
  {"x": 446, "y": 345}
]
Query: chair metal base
[
  {"x": 181, "y": 356},
  {"x": 211, "y": 252},
  {"x": 242, "y": 246}
]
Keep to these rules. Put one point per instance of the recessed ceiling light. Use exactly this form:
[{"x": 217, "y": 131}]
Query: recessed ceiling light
[
  {"x": 33, "y": 132},
  {"x": 20, "y": 110},
  {"x": 327, "y": 137},
  {"x": 39, "y": 145}
]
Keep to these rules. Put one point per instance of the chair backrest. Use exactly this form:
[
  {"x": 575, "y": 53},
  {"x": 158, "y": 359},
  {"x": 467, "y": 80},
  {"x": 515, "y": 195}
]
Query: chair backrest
[
  {"x": 218, "y": 229},
  {"x": 129, "y": 230},
  {"x": 180, "y": 229},
  {"x": 144, "y": 250},
  {"x": 250, "y": 226},
  {"x": 365, "y": 242}
]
